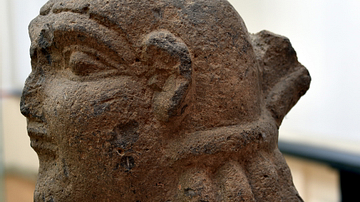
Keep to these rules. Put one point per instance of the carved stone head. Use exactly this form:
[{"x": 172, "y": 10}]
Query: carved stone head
[{"x": 166, "y": 100}]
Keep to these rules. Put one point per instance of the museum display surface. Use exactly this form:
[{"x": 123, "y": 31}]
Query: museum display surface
[{"x": 167, "y": 100}]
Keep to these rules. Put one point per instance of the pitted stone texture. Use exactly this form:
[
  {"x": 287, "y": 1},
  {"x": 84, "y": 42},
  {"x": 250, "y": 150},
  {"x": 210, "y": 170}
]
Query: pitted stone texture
[{"x": 167, "y": 100}]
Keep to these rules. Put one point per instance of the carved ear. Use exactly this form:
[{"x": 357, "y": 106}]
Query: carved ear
[
  {"x": 170, "y": 73},
  {"x": 284, "y": 79}
]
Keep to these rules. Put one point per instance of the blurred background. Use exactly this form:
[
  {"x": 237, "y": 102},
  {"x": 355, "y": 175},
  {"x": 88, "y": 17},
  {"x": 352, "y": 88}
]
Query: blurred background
[{"x": 319, "y": 137}]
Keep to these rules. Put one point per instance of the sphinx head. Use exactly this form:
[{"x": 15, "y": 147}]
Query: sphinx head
[{"x": 113, "y": 82}]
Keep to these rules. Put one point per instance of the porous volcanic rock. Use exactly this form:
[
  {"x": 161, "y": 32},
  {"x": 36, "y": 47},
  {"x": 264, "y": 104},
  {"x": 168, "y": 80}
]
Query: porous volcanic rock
[{"x": 159, "y": 101}]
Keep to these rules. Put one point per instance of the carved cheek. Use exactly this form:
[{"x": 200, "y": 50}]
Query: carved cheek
[
  {"x": 57, "y": 104},
  {"x": 80, "y": 107}
]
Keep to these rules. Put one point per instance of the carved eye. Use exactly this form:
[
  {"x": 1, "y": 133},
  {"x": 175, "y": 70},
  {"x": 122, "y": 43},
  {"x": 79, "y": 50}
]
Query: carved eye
[{"x": 83, "y": 64}]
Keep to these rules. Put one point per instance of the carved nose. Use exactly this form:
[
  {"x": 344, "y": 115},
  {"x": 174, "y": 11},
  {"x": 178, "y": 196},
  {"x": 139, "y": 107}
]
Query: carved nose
[
  {"x": 24, "y": 109},
  {"x": 30, "y": 102}
]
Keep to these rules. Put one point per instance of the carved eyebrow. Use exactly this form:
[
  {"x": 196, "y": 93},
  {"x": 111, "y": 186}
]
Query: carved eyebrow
[
  {"x": 47, "y": 31},
  {"x": 85, "y": 9}
]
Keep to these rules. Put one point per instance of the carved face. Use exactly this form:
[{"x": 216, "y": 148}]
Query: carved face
[
  {"x": 119, "y": 101},
  {"x": 83, "y": 117}
]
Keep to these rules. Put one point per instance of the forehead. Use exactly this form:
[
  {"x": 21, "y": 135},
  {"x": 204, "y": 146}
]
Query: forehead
[{"x": 196, "y": 20}]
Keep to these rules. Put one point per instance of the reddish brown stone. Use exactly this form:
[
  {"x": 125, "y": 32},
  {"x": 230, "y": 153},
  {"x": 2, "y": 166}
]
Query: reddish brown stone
[{"x": 166, "y": 100}]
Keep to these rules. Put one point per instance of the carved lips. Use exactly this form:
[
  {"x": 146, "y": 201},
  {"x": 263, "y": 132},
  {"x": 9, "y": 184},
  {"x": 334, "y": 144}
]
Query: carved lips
[{"x": 40, "y": 140}]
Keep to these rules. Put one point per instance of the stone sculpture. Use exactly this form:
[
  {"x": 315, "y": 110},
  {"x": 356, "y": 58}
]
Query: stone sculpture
[{"x": 166, "y": 100}]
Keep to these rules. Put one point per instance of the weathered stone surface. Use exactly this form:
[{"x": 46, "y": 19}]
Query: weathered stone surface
[{"x": 166, "y": 100}]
